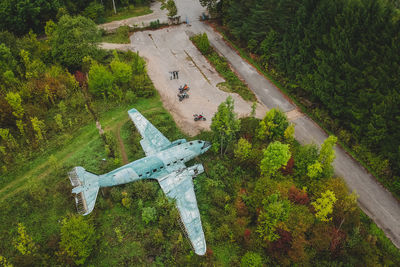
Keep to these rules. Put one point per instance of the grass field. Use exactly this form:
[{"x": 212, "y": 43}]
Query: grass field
[
  {"x": 39, "y": 192},
  {"x": 128, "y": 13}
]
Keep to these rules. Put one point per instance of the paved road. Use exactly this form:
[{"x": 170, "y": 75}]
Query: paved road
[{"x": 374, "y": 200}]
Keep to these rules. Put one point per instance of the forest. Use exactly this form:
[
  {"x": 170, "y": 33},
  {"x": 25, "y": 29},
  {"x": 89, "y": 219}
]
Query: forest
[
  {"x": 264, "y": 199},
  {"x": 20, "y": 16},
  {"x": 339, "y": 59}
]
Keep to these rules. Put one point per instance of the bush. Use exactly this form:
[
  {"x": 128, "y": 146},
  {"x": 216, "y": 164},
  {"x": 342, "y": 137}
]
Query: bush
[
  {"x": 78, "y": 238},
  {"x": 130, "y": 97},
  {"x": 251, "y": 259},
  {"x": 149, "y": 215},
  {"x": 155, "y": 24},
  {"x": 202, "y": 43},
  {"x": 100, "y": 80}
]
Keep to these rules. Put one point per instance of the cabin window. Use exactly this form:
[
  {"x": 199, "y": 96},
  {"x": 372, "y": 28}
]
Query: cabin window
[
  {"x": 199, "y": 142},
  {"x": 154, "y": 170},
  {"x": 191, "y": 143},
  {"x": 140, "y": 175},
  {"x": 168, "y": 164},
  {"x": 147, "y": 172},
  {"x": 175, "y": 161},
  {"x": 181, "y": 159},
  {"x": 162, "y": 167}
]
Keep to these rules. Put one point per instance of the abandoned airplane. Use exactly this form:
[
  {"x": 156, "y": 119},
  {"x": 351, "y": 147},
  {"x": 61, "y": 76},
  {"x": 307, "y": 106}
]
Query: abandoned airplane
[{"x": 165, "y": 162}]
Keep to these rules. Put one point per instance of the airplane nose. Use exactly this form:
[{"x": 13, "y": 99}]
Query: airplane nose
[{"x": 206, "y": 145}]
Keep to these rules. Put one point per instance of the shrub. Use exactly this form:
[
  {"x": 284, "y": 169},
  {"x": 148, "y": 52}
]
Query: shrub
[
  {"x": 155, "y": 24},
  {"x": 251, "y": 259},
  {"x": 78, "y": 238},
  {"x": 149, "y": 215}
]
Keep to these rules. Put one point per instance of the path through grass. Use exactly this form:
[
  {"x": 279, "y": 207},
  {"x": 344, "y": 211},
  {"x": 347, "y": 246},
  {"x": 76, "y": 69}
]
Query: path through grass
[{"x": 66, "y": 156}]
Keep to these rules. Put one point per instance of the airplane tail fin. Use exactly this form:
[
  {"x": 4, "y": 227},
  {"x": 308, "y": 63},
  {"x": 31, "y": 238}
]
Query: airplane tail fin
[{"x": 86, "y": 186}]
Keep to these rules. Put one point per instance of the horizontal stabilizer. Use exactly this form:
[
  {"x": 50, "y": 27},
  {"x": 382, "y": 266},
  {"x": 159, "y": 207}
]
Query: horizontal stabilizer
[{"x": 86, "y": 187}]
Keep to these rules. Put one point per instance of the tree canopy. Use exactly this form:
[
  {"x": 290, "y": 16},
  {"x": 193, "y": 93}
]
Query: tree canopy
[
  {"x": 72, "y": 39},
  {"x": 340, "y": 58},
  {"x": 225, "y": 125}
]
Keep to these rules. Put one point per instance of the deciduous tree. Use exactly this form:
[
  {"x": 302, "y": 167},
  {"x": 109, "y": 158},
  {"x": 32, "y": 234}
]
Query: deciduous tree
[
  {"x": 242, "y": 150},
  {"x": 275, "y": 210},
  {"x": 170, "y": 6},
  {"x": 327, "y": 155},
  {"x": 23, "y": 242},
  {"x": 100, "y": 80},
  {"x": 275, "y": 125},
  {"x": 251, "y": 259},
  {"x": 324, "y": 205},
  {"x": 15, "y": 101},
  {"x": 275, "y": 156},
  {"x": 225, "y": 125},
  {"x": 39, "y": 128},
  {"x": 122, "y": 71},
  {"x": 72, "y": 39}
]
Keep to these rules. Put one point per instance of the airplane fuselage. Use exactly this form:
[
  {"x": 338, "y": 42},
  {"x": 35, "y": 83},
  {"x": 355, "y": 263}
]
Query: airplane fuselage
[{"x": 154, "y": 166}]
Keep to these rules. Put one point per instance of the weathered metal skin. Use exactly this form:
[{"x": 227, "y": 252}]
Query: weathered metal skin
[{"x": 165, "y": 162}]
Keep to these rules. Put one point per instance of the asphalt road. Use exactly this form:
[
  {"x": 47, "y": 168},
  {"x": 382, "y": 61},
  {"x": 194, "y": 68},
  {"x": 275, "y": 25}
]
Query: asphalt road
[{"x": 373, "y": 199}]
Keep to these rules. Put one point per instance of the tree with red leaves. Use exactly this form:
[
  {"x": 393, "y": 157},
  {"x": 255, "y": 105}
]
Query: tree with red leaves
[
  {"x": 241, "y": 207},
  {"x": 298, "y": 196},
  {"x": 80, "y": 77},
  {"x": 283, "y": 244},
  {"x": 338, "y": 237},
  {"x": 247, "y": 234},
  {"x": 288, "y": 169}
]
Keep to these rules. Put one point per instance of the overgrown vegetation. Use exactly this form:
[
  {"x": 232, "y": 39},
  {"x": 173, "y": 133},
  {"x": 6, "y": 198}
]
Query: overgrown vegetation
[
  {"x": 233, "y": 83},
  {"x": 129, "y": 11},
  {"x": 264, "y": 199},
  {"x": 343, "y": 75},
  {"x": 120, "y": 36},
  {"x": 20, "y": 16},
  {"x": 275, "y": 218}
]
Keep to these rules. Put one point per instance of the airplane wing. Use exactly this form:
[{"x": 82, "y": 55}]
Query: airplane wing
[
  {"x": 153, "y": 141},
  {"x": 179, "y": 186}
]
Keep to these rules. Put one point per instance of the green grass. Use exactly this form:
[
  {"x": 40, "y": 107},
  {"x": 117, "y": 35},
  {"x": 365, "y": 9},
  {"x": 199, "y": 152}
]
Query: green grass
[
  {"x": 128, "y": 13},
  {"x": 39, "y": 195},
  {"x": 116, "y": 38},
  {"x": 233, "y": 84}
]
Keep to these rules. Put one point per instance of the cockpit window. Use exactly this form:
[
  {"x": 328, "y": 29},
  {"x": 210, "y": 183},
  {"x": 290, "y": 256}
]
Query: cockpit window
[{"x": 199, "y": 142}]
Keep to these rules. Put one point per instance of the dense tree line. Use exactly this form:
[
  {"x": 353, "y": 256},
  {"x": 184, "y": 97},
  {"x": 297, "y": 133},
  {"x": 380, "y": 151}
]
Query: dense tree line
[
  {"x": 20, "y": 16},
  {"x": 342, "y": 55}
]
